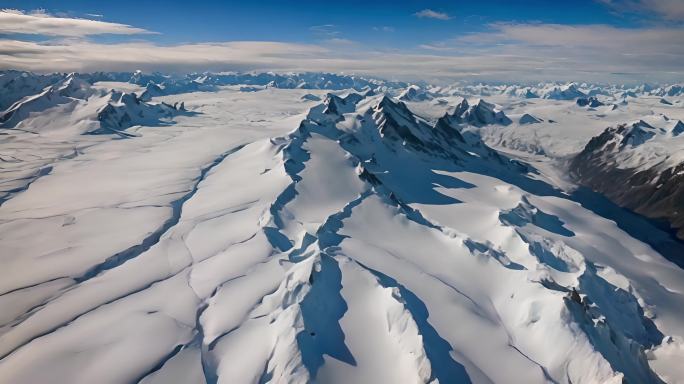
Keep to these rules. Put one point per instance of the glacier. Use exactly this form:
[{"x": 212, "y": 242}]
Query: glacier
[{"x": 296, "y": 228}]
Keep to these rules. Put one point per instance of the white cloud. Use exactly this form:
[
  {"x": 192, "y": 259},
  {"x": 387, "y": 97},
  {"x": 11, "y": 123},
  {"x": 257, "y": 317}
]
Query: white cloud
[
  {"x": 13, "y": 21},
  {"x": 577, "y": 52},
  {"x": 439, "y": 46},
  {"x": 667, "y": 9},
  {"x": 506, "y": 51},
  {"x": 340, "y": 41},
  {"x": 384, "y": 28},
  {"x": 514, "y": 61},
  {"x": 325, "y": 30},
  {"x": 81, "y": 55},
  {"x": 430, "y": 14},
  {"x": 670, "y": 9},
  {"x": 604, "y": 37}
]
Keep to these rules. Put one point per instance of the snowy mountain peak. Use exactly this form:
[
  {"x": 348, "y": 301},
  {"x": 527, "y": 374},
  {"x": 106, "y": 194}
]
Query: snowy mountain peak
[
  {"x": 414, "y": 93},
  {"x": 461, "y": 108},
  {"x": 674, "y": 90},
  {"x": 481, "y": 114},
  {"x": 591, "y": 102},
  {"x": 65, "y": 91},
  {"x": 124, "y": 110},
  {"x": 635, "y": 134},
  {"x": 521, "y": 92},
  {"x": 151, "y": 90},
  {"x": 335, "y": 105},
  {"x": 565, "y": 92},
  {"x": 616, "y": 138},
  {"x": 74, "y": 86},
  {"x": 395, "y": 121}
]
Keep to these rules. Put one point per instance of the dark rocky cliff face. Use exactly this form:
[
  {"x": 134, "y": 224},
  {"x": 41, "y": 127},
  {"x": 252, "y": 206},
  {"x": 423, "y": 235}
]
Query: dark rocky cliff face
[{"x": 656, "y": 193}]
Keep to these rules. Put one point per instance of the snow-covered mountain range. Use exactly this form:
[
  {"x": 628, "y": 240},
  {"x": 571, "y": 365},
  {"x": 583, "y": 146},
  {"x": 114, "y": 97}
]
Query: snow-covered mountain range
[{"x": 294, "y": 228}]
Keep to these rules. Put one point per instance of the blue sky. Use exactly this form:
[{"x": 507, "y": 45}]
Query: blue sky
[
  {"x": 361, "y": 21},
  {"x": 512, "y": 39}
]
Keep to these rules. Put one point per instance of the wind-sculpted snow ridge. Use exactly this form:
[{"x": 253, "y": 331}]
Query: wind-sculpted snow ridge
[
  {"x": 640, "y": 166},
  {"x": 367, "y": 245}
]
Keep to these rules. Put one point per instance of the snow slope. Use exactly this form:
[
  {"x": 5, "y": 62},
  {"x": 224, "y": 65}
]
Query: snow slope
[{"x": 271, "y": 237}]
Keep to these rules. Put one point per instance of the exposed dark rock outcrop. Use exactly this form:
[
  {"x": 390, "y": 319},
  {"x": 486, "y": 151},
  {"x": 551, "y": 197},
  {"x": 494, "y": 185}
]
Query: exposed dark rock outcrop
[
  {"x": 590, "y": 102},
  {"x": 656, "y": 192}
]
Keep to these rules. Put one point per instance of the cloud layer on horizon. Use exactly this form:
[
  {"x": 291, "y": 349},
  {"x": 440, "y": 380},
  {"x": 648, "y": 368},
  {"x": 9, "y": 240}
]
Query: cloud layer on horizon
[{"x": 503, "y": 52}]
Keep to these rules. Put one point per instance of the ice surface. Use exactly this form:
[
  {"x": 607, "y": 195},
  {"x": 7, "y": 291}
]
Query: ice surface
[{"x": 270, "y": 236}]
